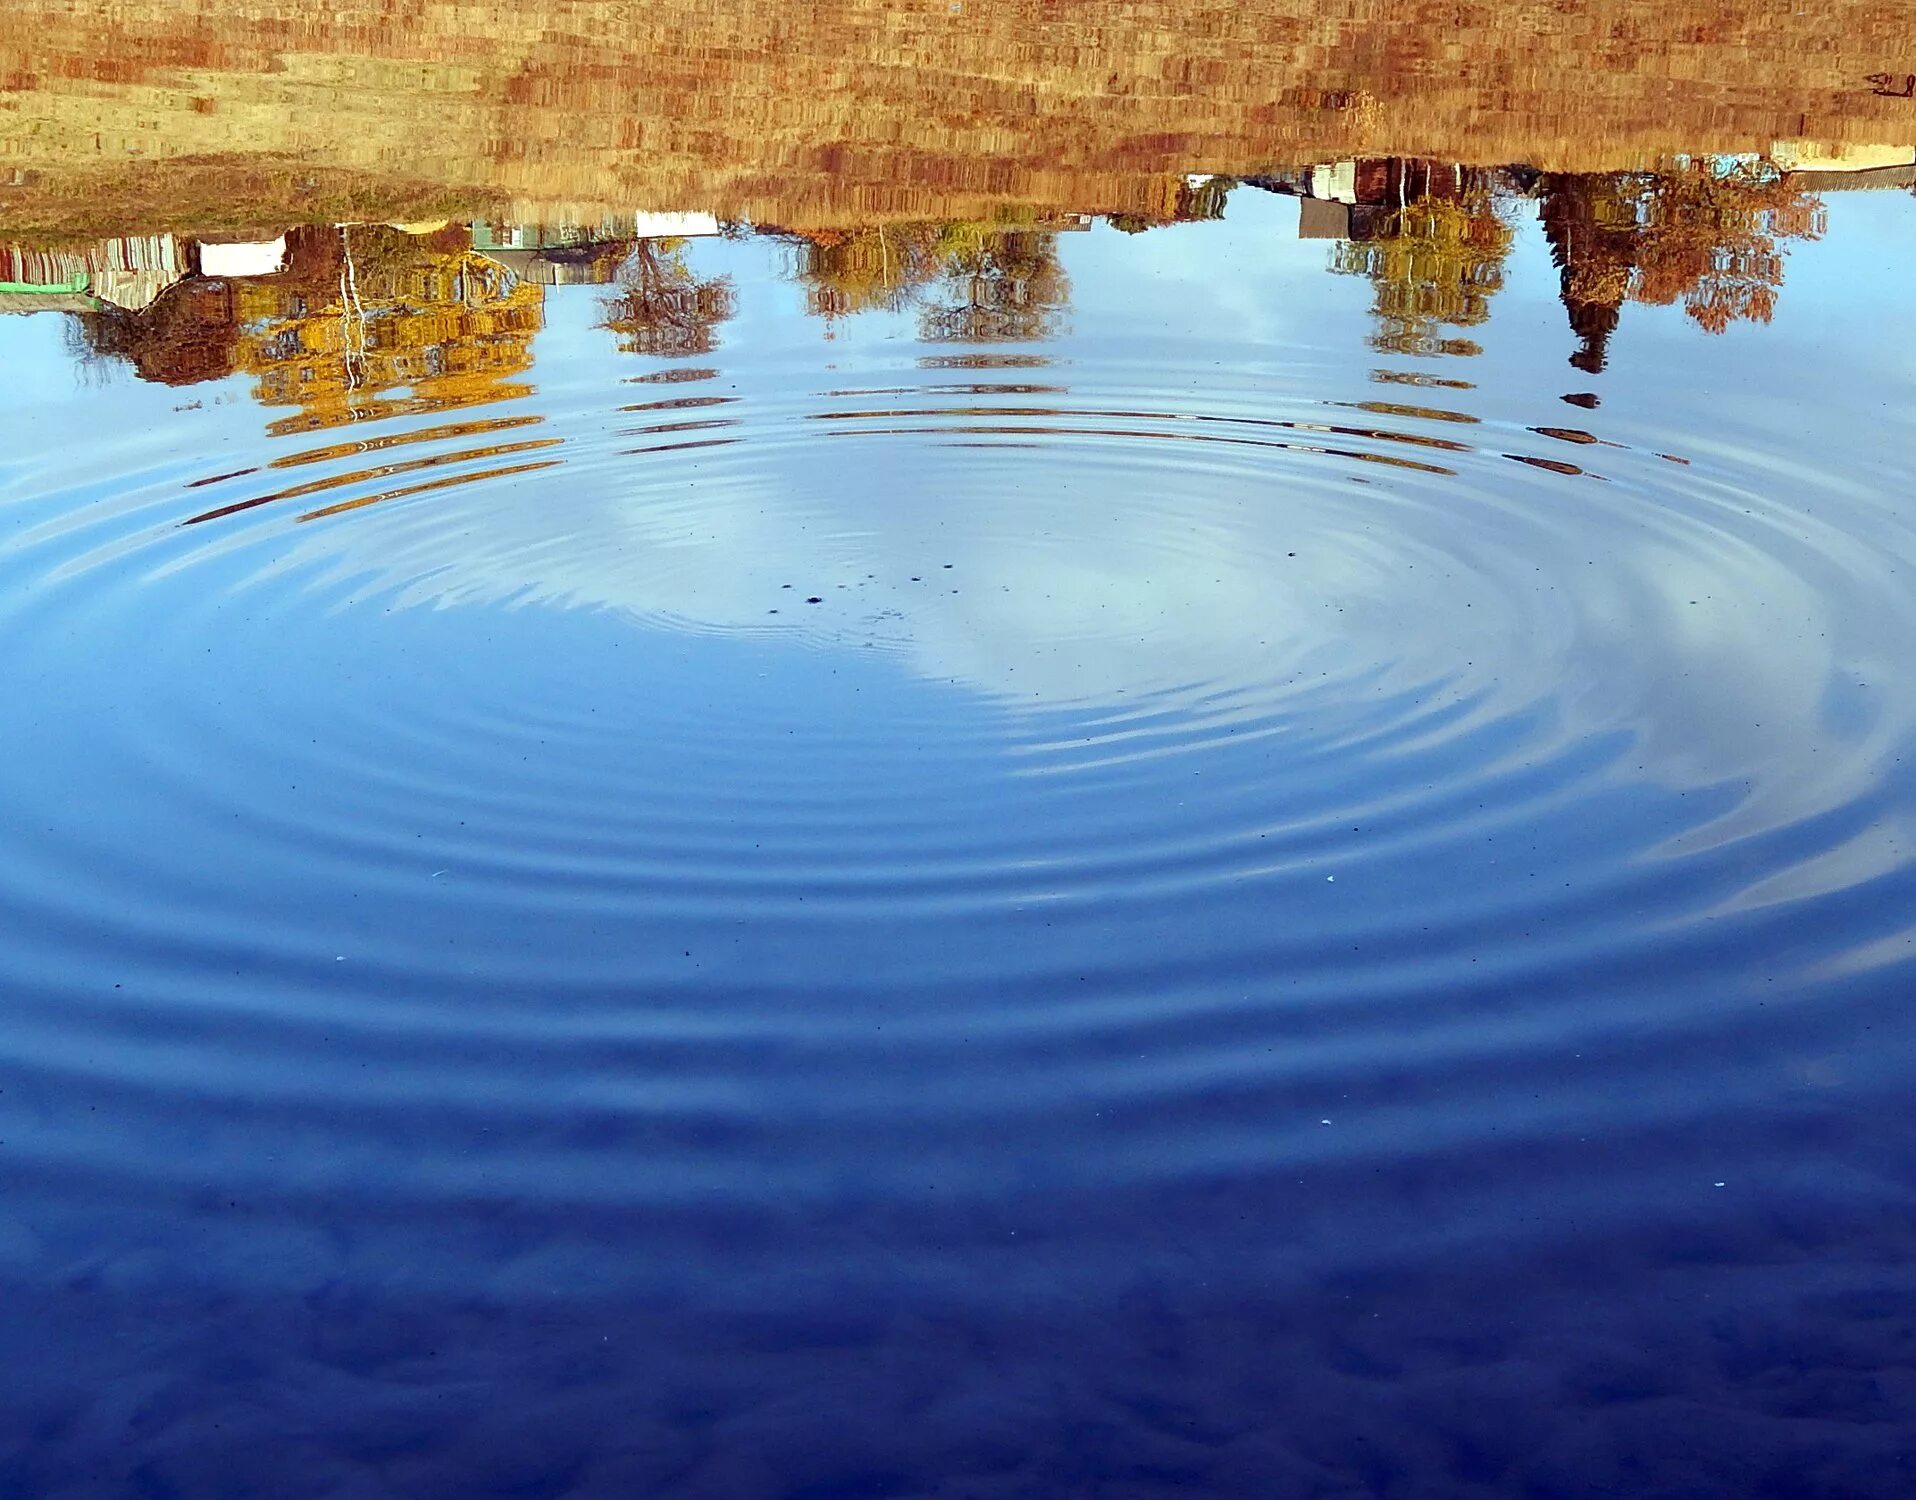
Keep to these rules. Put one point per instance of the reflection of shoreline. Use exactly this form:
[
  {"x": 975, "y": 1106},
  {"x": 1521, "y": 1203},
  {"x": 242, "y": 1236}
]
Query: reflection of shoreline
[{"x": 325, "y": 318}]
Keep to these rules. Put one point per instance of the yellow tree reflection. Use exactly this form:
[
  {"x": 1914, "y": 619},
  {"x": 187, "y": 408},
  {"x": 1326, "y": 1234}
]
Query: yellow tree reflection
[
  {"x": 356, "y": 316},
  {"x": 1434, "y": 251},
  {"x": 972, "y": 282}
]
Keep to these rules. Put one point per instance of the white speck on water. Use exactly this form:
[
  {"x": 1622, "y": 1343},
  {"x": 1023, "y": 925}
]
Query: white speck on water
[
  {"x": 1719, "y": 1184},
  {"x": 1323, "y": 1122},
  {"x": 1330, "y": 877}
]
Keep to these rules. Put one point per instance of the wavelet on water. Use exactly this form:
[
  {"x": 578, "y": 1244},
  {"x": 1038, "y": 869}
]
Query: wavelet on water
[{"x": 1077, "y": 849}]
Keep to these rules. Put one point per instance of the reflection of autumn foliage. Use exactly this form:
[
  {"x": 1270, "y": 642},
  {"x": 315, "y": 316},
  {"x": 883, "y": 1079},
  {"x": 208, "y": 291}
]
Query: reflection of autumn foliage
[
  {"x": 1709, "y": 240},
  {"x": 1435, "y": 259},
  {"x": 997, "y": 287},
  {"x": 974, "y": 282},
  {"x": 847, "y": 271},
  {"x": 355, "y": 311},
  {"x": 368, "y": 309},
  {"x": 661, "y": 307},
  {"x": 1708, "y": 236}
]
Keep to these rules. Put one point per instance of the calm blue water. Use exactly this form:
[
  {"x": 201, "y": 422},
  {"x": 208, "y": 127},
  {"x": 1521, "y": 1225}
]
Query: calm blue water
[{"x": 1126, "y": 908}]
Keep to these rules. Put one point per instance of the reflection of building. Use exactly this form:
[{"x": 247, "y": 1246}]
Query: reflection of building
[
  {"x": 227, "y": 259},
  {"x": 129, "y": 272}
]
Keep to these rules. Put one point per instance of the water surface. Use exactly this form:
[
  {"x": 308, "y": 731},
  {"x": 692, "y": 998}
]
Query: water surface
[{"x": 1265, "y": 850}]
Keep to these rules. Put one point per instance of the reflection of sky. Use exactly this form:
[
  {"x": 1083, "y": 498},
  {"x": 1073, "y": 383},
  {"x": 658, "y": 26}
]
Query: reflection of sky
[{"x": 1743, "y": 615}]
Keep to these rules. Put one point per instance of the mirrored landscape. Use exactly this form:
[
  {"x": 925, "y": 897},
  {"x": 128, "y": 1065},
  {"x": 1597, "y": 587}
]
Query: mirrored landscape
[{"x": 950, "y": 749}]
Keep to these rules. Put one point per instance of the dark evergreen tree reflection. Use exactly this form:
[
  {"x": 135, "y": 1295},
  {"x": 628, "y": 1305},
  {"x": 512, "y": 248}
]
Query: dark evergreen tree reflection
[{"x": 1709, "y": 237}]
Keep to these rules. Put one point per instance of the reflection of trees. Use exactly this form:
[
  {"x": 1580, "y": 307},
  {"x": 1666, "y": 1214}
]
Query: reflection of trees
[
  {"x": 189, "y": 334},
  {"x": 997, "y": 287},
  {"x": 972, "y": 282},
  {"x": 1707, "y": 236},
  {"x": 1189, "y": 201},
  {"x": 355, "y": 312},
  {"x": 846, "y": 271},
  {"x": 365, "y": 310},
  {"x": 661, "y": 307},
  {"x": 1435, "y": 257}
]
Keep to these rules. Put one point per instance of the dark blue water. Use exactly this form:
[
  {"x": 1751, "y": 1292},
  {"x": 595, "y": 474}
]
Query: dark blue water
[{"x": 1108, "y": 903}]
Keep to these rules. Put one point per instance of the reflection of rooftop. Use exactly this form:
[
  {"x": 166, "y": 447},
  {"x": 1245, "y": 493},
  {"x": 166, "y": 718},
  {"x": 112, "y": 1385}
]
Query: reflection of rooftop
[{"x": 1822, "y": 180}]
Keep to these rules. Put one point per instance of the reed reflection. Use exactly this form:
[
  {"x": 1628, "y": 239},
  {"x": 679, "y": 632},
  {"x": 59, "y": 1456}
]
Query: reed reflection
[{"x": 190, "y": 115}]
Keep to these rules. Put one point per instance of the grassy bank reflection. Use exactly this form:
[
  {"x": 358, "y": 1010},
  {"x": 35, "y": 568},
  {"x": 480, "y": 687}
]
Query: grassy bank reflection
[{"x": 191, "y": 116}]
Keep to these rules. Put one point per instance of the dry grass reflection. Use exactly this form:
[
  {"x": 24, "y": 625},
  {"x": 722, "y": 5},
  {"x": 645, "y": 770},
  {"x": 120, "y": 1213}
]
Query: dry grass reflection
[{"x": 182, "y": 114}]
